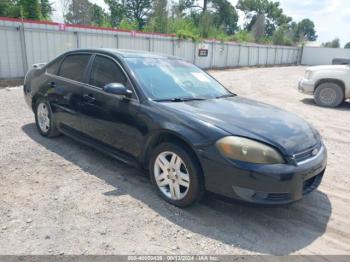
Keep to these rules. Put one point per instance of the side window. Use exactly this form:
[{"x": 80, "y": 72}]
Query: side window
[
  {"x": 104, "y": 71},
  {"x": 73, "y": 66},
  {"x": 53, "y": 67}
]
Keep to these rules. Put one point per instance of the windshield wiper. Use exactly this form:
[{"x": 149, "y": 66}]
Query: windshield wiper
[
  {"x": 226, "y": 95},
  {"x": 179, "y": 99}
]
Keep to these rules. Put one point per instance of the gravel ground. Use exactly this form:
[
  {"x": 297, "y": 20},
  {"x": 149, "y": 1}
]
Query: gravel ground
[{"x": 60, "y": 197}]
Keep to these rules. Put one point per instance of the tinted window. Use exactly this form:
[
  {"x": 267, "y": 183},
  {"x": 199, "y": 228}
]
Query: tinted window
[
  {"x": 52, "y": 68},
  {"x": 73, "y": 67},
  {"x": 105, "y": 71}
]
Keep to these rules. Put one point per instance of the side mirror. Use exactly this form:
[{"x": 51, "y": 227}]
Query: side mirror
[{"x": 117, "y": 89}]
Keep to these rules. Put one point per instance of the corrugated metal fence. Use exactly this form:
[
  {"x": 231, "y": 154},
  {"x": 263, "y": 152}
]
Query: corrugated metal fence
[
  {"x": 322, "y": 55},
  {"x": 23, "y": 43}
]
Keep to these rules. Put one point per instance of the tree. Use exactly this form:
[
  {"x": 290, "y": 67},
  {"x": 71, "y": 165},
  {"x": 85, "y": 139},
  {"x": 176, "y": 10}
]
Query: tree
[
  {"x": 332, "y": 44},
  {"x": 98, "y": 16},
  {"x": 46, "y": 9},
  {"x": 283, "y": 35},
  {"x": 30, "y": 9},
  {"x": 79, "y": 12},
  {"x": 4, "y": 7},
  {"x": 85, "y": 13},
  {"x": 65, "y": 6},
  {"x": 347, "y": 45},
  {"x": 117, "y": 11},
  {"x": 138, "y": 11},
  {"x": 158, "y": 21},
  {"x": 225, "y": 15},
  {"x": 254, "y": 9},
  {"x": 305, "y": 30}
]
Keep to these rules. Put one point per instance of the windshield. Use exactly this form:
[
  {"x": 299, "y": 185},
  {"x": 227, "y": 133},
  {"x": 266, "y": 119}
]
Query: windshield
[{"x": 164, "y": 79}]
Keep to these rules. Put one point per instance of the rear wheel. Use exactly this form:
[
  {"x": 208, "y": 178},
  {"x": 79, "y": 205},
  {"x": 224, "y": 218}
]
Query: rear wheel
[
  {"x": 329, "y": 95},
  {"x": 176, "y": 175},
  {"x": 43, "y": 118}
]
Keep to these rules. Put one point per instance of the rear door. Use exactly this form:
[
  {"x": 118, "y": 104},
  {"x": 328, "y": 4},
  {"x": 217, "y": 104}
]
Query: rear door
[
  {"x": 67, "y": 88},
  {"x": 111, "y": 119}
]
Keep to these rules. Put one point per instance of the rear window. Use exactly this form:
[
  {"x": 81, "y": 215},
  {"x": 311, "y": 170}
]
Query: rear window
[{"x": 73, "y": 66}]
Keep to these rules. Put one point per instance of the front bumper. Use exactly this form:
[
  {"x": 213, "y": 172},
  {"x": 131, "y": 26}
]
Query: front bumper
[
  {"x": 306, "y": 86},
  {"x": 262, "y": 184}
]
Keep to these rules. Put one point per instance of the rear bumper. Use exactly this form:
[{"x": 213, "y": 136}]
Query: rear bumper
[
  {"x": 262, "y": 184},
  {"x": 306, "y": 86}
]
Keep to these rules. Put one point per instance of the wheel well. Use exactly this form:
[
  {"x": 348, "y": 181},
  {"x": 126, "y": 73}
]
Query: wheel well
[
  {"x": 330, "y": 80},
  {"x": 34, "y": 99},
  {"x": 168, "y": 137}
]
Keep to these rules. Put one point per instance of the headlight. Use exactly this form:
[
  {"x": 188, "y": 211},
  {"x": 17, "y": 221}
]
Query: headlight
[
  {"x": 308, "y": 74},
  {"x": 247, "y": 150}
]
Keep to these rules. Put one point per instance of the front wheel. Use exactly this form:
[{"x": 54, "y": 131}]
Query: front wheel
[
  {"x": 176, "y": 175},
  {"x": 44, "y": 119},
  {"x": 329, "y": 95}
]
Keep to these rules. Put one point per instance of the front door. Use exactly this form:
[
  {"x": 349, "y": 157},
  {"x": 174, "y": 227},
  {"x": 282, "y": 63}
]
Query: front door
[{"x": 107, "y": 118}]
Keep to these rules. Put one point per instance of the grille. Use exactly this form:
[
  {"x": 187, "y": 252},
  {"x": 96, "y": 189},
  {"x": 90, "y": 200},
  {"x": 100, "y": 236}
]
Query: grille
[
  {"x": 302, "y": 156},
  {"x": 278, "y": 196}
]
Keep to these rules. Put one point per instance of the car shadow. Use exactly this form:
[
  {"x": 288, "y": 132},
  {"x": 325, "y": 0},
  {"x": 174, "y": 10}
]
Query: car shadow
[
  {"x": 345, "y": 106},
  {"x": 270, "y": 230}
]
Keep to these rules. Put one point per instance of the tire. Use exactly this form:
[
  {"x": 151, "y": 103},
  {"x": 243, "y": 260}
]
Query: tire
[
  {"x": 184, "y": 168},
  {"x": 46, "y": 128},
  {"x": 329, "y": 95}
]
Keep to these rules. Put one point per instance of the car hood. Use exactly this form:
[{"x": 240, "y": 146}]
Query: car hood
[
  {"x": 244, "y": 117},
  {"x": 328, "y": 67}
]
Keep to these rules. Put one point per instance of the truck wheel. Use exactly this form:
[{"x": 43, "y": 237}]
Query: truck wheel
[{"x": 329, "y": 95}]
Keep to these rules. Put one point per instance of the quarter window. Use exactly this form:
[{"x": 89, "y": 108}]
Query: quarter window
[
  {"x": 105, "y": 71},
  {"x": 52, "y": 68},
  {"x": 73, "y": 67}
]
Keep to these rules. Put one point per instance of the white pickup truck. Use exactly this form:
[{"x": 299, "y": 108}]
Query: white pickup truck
[{"x": 329, "y": 84}]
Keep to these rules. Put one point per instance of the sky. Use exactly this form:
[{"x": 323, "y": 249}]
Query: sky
[{"x": 331, "y": 17}]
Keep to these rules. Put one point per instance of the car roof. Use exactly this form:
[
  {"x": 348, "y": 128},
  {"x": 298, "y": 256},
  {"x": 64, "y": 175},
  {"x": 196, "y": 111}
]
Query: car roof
[{"x": 125, "y": 53}]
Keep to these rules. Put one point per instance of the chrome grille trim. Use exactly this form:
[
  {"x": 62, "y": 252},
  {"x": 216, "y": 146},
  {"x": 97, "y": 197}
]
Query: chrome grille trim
[{"x": 302, "y": 162}]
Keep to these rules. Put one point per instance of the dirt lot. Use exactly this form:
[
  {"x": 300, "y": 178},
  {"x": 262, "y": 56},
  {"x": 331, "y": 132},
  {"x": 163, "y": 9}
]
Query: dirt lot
[{"x": 60, "y": 197}]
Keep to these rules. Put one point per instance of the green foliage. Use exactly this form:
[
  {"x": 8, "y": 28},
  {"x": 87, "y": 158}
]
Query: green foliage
[
  {"x": 271, "y": 11},
  {"x": 332, "y": 44},
  {"x": 117, "y": 12},
  {"x": 31, "y": 9},
  {"x": 98, "y": 16},
  {"x": 243, "y": 36},
  {"x": 4, "y": 7},
  {"x": 46, "y": 9},
  {"x": 184, "y": 28},
  {"x": 138, "y": 11},
  {"x": 225, "y": 16},
  {"x": 305, "y": 31},
  {"x": 158, "y": 21},
  {"x": 347, "y": 45},
  {"x": 86, "y": 13},
  {"x": 283, "y": 36},
  {"x": 125, "y": 24}
]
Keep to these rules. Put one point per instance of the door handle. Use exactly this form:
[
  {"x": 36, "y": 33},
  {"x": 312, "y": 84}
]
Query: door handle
[
  {"x": 52, "y": 84},
  {"x": 89, "y": 98}
]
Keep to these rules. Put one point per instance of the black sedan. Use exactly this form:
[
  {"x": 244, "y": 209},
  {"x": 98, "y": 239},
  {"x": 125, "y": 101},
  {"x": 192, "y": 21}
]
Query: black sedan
[{"x": 166, "y": 115}]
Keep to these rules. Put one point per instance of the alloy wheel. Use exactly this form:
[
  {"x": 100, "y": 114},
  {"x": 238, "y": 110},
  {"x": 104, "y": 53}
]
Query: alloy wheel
[
  {"x": 43, "y": 117},
  {"x": 171, "y": 175}
]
